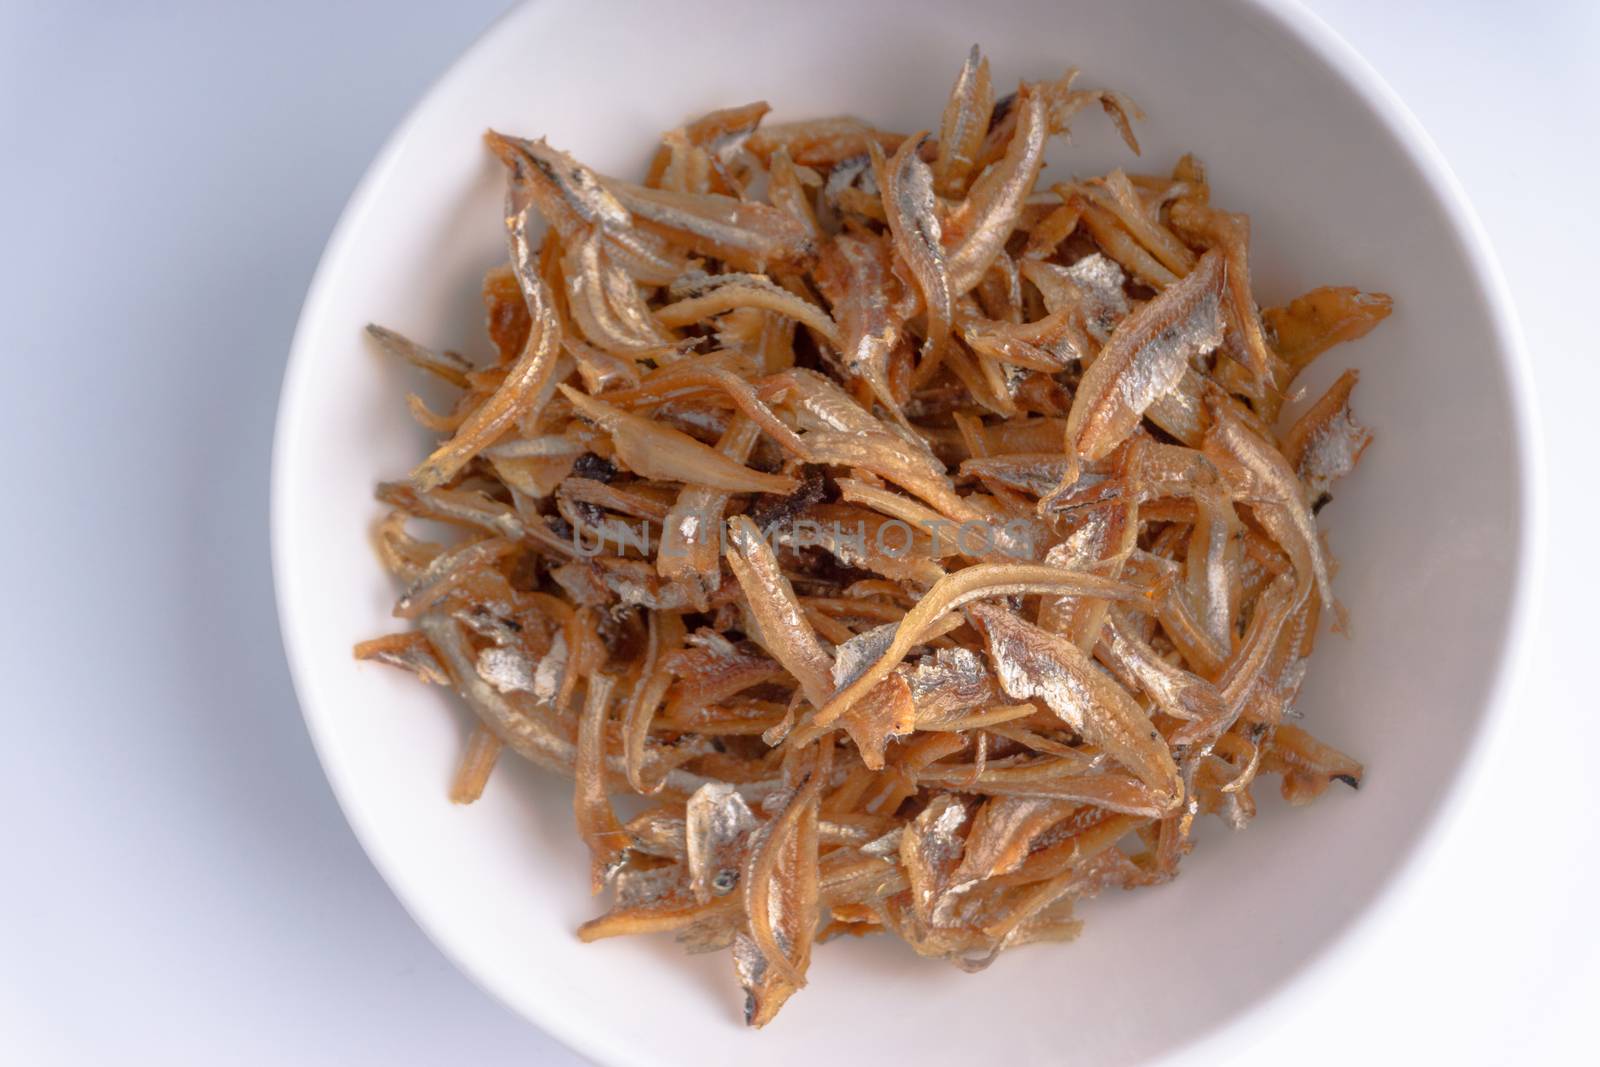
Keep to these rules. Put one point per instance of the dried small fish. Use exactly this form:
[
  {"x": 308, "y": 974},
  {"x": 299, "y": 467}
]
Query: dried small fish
[
  {"x": 606, "y": 304},
  {"x": 571, "y": 198},
  {"x": 472, "y": 773},
  {"x": 781, "y": 887},
  {"x": 821, "y": 142},
  {"x": 717, "y": 294},
  {"x": 887, "y": 712},
  {"x": 912, "y": 211},
  {"x": 1177, "y": 692},
  {"x": 877, "y": 653},
  {"x": 1326, "y": 443},
  {"x": 1322, "y": 318},
  {"x": 524, "y": 383},
  {"x": 947, "y": 683},
  {"x": 1144, "y": 359},
  {"x": 994, "y": 205},
  {"x": 692, "y": 530},
  {"x": 931, "y": 850},
  {"x": 781, "y": 626},
  {"x": 597, "y": 823},
  {"x": 1308, "y": 766},
  {"x": 655, "y": 451},
  {"x": 965, "y": 122},
  {"x": 854, "y": 274},
  {"x": 713, "y": 142},
  {"x": 1283, "y": 510},
  {"x": 716, "y": 823},
  {"x": 1031, "y": 662},
  {"x": 955, "y": 591},
  {"x": 748, "y": 235},
  {"x": 447, "y": 365},
  {"x": 1050, "y": 344},
  {"x": 408, "y": 651},
  {"x": 1230, "y": 235}
]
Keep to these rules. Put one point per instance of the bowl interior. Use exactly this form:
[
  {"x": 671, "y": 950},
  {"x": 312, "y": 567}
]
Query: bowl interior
[{"x": 1427, "y": 533}]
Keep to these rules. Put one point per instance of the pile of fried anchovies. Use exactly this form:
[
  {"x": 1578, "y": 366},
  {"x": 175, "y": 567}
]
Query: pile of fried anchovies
[{"x": 920, "y": 545}]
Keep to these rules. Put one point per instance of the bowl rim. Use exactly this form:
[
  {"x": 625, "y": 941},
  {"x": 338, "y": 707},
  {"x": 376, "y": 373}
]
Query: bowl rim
[{"x": 1359, "y": 935}]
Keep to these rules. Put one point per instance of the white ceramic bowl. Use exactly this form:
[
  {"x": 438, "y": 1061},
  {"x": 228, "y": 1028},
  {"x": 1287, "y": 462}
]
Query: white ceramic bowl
[{"x": 1433, "y": 533}]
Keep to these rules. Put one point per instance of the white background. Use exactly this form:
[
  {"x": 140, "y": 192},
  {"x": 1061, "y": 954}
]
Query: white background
[{"x": 176, "y": 882}]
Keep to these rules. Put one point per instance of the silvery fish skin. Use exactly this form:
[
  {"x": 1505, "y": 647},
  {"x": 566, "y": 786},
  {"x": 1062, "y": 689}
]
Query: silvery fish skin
[
  {"x": 439, "y": 576},
  {"x": 1213, "y": 564},
  {"x": 525, "y": 383},
  {"x": 931, "y": 849},
  {"x": 949, "y": 682},
  {"x": 716, "y": 822},
  {"x": 637, "y": 887},
  {"x": 852, "y": 658},
  {"x": 750, "y": 967},
  {"x": 691, "y": 531},
  {"x": 953, "y": 591},
  {"x": 1106, "y": 303},
  {"x": 857, "y": 172},
  {"x": 745, "y": 233},
  {"x": 1144, "y": 359},
  {"x": 1099, "y": 544},
  {"x": 995, "y": 203},
  {"x": 998, "y": 842},
  {"x": 1036, "y": 473},
  {"x": 1333, "y": 452},
  {"x": 579, "y": 186},
  {"x": 1230, "y": 236},
  {"x": 965, "y": 122},
  {"x": 855, "y": 273},
  {"x": 462, "y": 506},
  {"x": 551, "y": 672},
  {"x": 507, "y": 669},
  {"x": 658, "y": 833},
  {"x": 1288, "y": 518},
  {"x": 1031, "y": 662},
  {"x": 1181, "y": 410},
  {"x": 784, "y": 630},
  {"x": 914, "y": 220},
  {"x": 533, "y": 736},
  {"x": 886, "y": 846},
  {"x": 606, "y": 304},
  {"x": 492, "y": 621},
  {"x": 635, "y": 582},
  {"x": 1326, "y": 443},
  {"x": 572, "y": 199},
  {"x": 1178, "y": 692}
]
